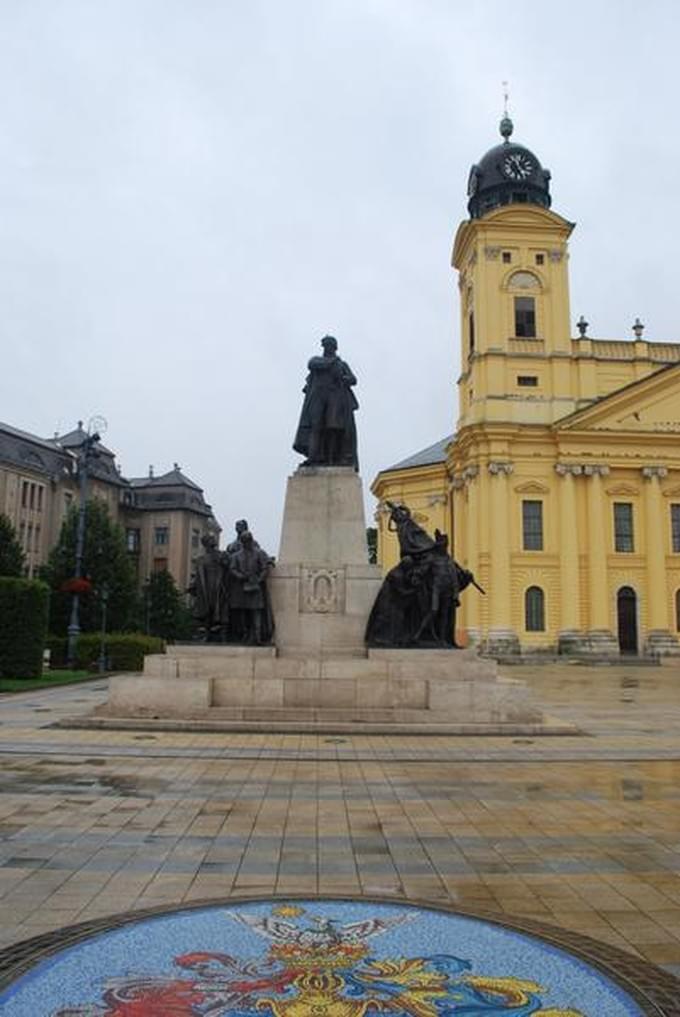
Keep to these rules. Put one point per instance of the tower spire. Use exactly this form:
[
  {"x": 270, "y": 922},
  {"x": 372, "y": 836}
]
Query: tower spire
[{"x": 506, "y": 124}]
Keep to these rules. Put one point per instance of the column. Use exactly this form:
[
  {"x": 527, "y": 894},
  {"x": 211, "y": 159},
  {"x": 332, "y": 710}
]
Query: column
[
  {"x": 501, "y": 639},
  {"x": 570, "y": 636},
  {"x": 471, "y": 600},
  {"x": 600, "y": 636},
  {"x": 659, "y": 638}
]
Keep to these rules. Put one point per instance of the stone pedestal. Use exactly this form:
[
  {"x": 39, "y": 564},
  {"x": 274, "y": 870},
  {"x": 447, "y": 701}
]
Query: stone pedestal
[
  {"x": 601, "y": 643},
  {"x": 323, "y": 588},
  {"x": 242, "y": 688},
  {"x": 661, "y": 643},
  {"x": 502, "y": 643},
  {"x": 570, "y": 641}
]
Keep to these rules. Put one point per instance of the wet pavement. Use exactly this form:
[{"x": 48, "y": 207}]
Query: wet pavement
[{"x": 579, "y": 831}]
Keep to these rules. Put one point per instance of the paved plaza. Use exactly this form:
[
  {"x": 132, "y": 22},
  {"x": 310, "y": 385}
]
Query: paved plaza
[{"x": 578, "y": 831}]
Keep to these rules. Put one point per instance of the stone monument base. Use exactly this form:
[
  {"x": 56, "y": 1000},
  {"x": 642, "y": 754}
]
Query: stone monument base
[{"x": 251, "y": 689}]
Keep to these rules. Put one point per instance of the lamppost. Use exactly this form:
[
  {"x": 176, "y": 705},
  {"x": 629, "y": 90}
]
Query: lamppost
[
  {"x": 104, "y": 598},
  {"x": 87, "y": 453}
]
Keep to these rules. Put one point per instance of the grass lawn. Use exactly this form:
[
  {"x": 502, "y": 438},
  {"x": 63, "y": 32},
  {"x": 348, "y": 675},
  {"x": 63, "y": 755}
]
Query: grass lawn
[{"x": 46, "y": 681}]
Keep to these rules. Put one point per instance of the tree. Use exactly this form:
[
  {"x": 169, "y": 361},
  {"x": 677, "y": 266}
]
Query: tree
[
  {"x": 105, "y": 561},
  {"x": 11, "y": 555},
  {"x": 167, "y": 614}
]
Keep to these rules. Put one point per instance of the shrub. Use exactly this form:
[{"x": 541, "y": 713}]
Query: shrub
[
  {"x": 24, "y": 606},
  {"x": 125, "y": 651}
]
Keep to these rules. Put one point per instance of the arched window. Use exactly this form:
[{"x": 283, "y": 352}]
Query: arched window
[
  {"x": 534, "y": 609},
  {"x": 521, "y": 284},
  {"x": 677, "y": 610}
]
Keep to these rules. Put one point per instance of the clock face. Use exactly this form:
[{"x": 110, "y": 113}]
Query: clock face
[{"x": 517, "y": 166}]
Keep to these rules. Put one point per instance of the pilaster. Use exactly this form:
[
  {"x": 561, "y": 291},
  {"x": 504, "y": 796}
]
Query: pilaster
[
  {"x": 501, "y": 639},
  {"x": 659, "y": 639},
  {"x": 472, "y": 613},
  {"x": 570, "y": 637},
  {"x": 599, "y": 638}
]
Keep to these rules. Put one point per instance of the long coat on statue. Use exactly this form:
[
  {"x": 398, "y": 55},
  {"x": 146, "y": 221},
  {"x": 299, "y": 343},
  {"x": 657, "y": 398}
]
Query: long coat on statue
[{"x": 328, "y": 407}]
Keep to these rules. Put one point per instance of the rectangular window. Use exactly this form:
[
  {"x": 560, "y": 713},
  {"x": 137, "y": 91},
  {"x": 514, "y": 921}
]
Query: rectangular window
[
  {"x": 532, "y": 525},
  {"x": 132, "y": 540},
  {"x": 539, "y": 259},
  {"x": 507, "y": 257},
  {"x": 24, "y": 494},
  {"x": 527, "y": 380},
  {"x": 161, "y": 535},
  {"x": 40, "y": 498},
  {"x": 32, "y": 496},
  {"x": 623, "y": 526},
  {"x": 36, "y": 539},
  {"x": 675, "y": 528},
  {"x": 525, "y": 317}
]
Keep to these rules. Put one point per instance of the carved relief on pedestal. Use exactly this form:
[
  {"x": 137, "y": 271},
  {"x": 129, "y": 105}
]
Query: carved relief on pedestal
[{"x": 322, "y": 591}]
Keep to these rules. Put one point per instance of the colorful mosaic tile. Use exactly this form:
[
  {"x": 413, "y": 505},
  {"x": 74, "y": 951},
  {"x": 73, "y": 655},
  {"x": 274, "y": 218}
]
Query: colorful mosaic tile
[{"x": 314, "y": 958}]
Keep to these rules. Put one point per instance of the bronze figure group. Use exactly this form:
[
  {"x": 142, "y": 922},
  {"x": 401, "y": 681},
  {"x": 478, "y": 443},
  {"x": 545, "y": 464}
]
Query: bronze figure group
[
  {"x": 229, "y": 589},
  {"x": 416, "y": 604}
]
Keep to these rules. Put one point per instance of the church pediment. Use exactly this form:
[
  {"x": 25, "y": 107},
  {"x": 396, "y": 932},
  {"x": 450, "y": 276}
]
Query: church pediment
[{"x": 651, "y": 404}]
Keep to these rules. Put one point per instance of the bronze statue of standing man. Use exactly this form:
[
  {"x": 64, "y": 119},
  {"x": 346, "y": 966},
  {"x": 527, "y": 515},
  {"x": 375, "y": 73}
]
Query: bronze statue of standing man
[{"x": 326, "y": 434}]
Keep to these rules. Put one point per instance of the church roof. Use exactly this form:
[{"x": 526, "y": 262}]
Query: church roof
[{"x": 426, "y": 457}]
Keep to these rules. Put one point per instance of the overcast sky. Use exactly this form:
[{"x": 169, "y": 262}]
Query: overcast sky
[{"x": 192, "y": 192}]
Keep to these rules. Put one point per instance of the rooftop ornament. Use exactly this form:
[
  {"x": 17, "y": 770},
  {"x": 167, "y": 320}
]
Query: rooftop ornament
[
  {"x": 638, "y": 329},
  {"x": 506, "y": 125},
  {"x": 582, "y": 326}
]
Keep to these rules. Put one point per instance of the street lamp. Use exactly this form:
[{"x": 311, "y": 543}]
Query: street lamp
[
  {"x": 104, "y": 598},
  {"x": 87, "y": 453}
]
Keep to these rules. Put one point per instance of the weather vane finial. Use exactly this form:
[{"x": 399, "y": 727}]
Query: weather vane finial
[{"x": 506, "y": 126}]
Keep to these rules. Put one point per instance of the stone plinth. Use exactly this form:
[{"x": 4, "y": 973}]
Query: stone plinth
[
  {"x": 323, "y": 588},
  {"x": 237, "y": 688}
]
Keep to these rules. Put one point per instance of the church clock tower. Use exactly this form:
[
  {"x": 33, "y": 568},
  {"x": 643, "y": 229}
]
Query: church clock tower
[{"x": 511, "y": 256}]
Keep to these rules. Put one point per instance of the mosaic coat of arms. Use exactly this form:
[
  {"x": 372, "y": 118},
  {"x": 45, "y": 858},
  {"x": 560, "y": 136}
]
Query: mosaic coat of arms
[{"x": 325, "y": 959}]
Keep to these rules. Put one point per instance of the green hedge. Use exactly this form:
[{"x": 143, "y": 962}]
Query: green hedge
[
  {"x": 125, "y": 651},
  {"x": 24, "y": 606}
]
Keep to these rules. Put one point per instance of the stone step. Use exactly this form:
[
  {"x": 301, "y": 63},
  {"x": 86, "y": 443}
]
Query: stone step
[{"x": 320, "y": 725}]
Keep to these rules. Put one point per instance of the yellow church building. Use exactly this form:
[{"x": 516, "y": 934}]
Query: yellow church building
[{"x": 561, "y": 485}]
